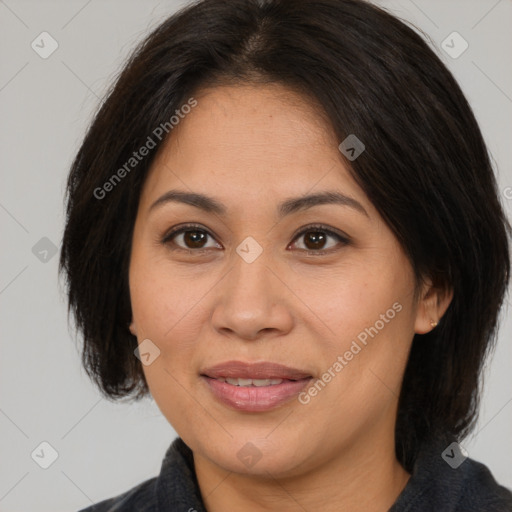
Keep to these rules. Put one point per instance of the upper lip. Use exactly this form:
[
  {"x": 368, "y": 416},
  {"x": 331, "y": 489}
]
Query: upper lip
[{"x": 260, "y": 370}]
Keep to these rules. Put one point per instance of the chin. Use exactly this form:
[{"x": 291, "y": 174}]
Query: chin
[{"x": 254, "y": 454}]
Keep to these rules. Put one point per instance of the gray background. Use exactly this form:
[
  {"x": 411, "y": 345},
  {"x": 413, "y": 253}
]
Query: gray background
[{"x": 45, "y": 106}]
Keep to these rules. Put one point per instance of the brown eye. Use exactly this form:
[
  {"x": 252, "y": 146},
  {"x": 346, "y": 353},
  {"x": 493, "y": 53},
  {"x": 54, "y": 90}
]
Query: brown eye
[
  {"x": 189, "y": 238},
  {"x": 192, "y": 238},
  {"x": 316, "y": 238}
]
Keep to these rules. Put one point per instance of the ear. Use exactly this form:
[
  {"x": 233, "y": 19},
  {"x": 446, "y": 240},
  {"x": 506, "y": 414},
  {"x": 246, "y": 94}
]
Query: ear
[
  {"x": 432, "y": 305},
  {"x": 132, "y": 328}
]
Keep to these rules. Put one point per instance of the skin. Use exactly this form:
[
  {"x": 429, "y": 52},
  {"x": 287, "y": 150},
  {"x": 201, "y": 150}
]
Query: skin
[{"x": 252, "y": 147}]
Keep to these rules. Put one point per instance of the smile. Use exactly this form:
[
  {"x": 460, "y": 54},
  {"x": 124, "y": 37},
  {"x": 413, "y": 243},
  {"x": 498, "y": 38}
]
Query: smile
[{"x": 254, "y": 387}]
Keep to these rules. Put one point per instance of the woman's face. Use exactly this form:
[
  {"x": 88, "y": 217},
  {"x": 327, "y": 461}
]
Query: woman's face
[{"x": 322, "y": 288}]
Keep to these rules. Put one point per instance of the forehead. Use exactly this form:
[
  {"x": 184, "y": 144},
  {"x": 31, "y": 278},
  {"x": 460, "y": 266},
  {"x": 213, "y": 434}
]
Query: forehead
[{"x": 248, "y": 141}]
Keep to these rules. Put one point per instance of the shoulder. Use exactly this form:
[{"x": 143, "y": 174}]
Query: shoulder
[
  {"x": 141, "y": 498},
  {"x": 480, "y": 491},
  {"x": 442, "y": 479}
]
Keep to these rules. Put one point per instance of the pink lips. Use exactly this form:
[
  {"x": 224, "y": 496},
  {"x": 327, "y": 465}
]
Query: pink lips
[{"x": 252, "y": 398}]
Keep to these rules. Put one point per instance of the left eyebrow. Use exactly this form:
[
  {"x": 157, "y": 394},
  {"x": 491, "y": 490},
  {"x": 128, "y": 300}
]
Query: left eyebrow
[
  {"x": 287, "y": 207},
  {"x": 327, "y": 197}
]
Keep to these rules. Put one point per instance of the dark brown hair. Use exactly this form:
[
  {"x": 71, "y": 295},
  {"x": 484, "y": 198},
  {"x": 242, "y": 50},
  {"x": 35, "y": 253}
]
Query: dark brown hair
[{"x": 425, "y": 168}]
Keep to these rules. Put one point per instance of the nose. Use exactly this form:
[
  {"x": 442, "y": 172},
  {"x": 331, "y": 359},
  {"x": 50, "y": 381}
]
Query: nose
[{"x": 252, "y": 300}]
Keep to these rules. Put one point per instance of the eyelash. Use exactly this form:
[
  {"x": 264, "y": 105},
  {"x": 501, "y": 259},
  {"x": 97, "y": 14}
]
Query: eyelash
[{"x": 166, "y": 240}]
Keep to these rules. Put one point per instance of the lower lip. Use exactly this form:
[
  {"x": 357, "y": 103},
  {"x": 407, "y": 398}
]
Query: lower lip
[{"x": 255, "y": 399}]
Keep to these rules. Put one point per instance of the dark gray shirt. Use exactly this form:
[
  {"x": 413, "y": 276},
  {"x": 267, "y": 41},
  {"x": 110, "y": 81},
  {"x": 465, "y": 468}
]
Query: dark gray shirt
[{"x": 434, "y": 486}]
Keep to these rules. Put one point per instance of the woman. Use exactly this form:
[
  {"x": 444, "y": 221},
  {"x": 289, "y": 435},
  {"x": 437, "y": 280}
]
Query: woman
[{"x": 284, "y": 225}]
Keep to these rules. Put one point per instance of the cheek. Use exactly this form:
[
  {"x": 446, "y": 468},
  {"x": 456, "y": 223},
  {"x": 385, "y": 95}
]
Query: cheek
[
  {"x": 368, "y": 317},
  {"x": 168, "y": 314},
  {"x": 169, "y": 309},
  {"x": 162, "y": 298},
  {"x": 342, "y": 303}
]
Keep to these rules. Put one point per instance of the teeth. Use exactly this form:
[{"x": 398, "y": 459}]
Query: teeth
[
  {"x": 266, "y": 382},
  {"x": 251, "y": 382}
]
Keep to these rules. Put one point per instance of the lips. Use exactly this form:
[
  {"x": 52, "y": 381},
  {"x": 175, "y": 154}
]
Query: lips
[
  {"x": 262, "y": 370},
  {"x": 254, "y": 387}
]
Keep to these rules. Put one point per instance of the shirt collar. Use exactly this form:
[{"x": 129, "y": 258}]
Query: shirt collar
[{"x": 177, "y": 488}]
